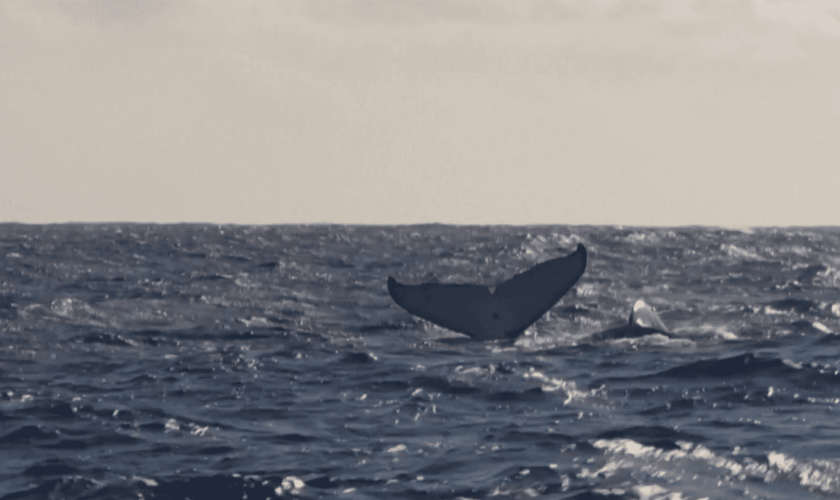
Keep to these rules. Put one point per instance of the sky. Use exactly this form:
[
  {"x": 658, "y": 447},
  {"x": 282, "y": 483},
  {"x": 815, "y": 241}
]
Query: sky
[{"x": 628, "y": 112}]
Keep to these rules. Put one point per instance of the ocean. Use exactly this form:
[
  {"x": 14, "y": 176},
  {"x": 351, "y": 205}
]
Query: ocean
[{"x": 199, "y": 361}]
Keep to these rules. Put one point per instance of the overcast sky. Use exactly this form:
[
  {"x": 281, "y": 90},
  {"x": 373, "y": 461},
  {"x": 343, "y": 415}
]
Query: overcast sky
[{"x": 634, "y": 112}]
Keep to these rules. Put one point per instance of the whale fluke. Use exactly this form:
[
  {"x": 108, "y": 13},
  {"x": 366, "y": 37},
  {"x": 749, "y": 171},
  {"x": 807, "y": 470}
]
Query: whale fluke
[
  {"x": 643, "y": 321},
  {"x": 504, "y": 313}
]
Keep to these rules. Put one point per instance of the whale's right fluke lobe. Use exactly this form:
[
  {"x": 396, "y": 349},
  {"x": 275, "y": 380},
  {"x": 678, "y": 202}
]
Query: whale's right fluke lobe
[
  {"x": 532, "y": 293},
  {"x": 515, "y": 304}
]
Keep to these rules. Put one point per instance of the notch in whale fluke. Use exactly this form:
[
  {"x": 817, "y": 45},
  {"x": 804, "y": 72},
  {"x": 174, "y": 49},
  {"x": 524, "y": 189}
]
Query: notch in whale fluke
[{"x": 506, "y": 312}]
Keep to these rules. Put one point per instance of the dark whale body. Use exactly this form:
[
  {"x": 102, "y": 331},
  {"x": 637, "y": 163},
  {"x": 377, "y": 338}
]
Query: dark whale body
[{"x": 504, "y": 313}]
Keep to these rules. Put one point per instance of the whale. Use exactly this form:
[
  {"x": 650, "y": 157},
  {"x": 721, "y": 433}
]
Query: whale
[
  {"x": 643, "y": 321},
  {"x": 505, "y": 312}
]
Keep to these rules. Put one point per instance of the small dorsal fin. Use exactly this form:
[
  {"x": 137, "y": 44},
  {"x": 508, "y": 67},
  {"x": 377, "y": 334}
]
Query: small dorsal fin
[{"x": 643, "y": 316}]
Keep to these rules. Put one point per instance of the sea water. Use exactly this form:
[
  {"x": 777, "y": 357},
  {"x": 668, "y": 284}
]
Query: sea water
[{"x": 232, "y": 362}]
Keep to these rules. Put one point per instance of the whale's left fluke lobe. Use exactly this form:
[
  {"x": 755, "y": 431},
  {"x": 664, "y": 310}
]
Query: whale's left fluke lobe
[
  {"x": 456, "y": 307},
  {"x": 515, "y": 304}
]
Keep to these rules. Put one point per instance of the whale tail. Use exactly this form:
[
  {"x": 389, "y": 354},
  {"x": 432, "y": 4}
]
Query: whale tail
[{"x": 504, "y": 313}]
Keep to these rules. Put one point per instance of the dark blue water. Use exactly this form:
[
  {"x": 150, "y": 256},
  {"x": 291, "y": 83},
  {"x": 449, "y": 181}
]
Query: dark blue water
[{"x": 199, "y": 361}]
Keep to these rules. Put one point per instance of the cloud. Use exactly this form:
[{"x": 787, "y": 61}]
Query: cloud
[
  {"x": 413, "y": 110},
  {"x": 805, "y": 15},
  {"x": 587, "y": 35},
  {"x": 114, "y": 12}
]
